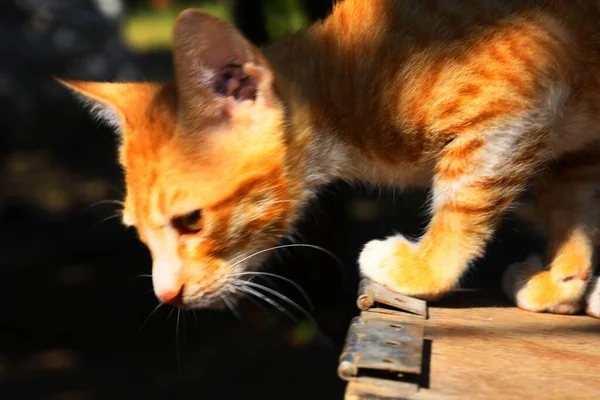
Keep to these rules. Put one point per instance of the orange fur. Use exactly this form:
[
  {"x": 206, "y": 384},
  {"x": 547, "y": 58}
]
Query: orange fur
[{"x": 475, "y": 99}]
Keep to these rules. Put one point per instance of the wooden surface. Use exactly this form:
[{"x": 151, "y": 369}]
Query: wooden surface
[{"x": 482, "y": 348}]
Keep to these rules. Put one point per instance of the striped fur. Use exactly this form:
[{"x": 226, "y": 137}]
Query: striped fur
[{"x": 475, "y": 99}]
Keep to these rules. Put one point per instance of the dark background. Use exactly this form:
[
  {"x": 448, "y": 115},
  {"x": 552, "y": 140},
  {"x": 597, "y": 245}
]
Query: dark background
[{"x": 75, "y": 317}]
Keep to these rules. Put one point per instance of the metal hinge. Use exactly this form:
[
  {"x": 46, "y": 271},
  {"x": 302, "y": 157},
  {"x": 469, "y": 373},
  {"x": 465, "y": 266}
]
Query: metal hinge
[
  {"x": 382, "y": 357},
  {"x": 377, "y": 298}
]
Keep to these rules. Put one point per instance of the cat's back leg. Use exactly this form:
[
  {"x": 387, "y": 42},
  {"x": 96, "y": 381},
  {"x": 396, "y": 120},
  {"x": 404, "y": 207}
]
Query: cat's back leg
[
  {"x": 567, "y": 205},
  {"x": 565, "y": 196}
]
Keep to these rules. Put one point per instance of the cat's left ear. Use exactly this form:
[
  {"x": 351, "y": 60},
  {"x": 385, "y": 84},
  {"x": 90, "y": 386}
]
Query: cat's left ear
[
  {"x": 216, "y": 66},
  {"x": 113, "y": 103}
]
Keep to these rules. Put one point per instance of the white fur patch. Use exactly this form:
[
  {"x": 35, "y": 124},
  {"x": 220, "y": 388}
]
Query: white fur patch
[
  {"x": 513, "y": 282},
  {"x": 502, "y": 141},
  {"x": 592, "y": 298},
  {"x": 165, "y": 277},
  {"x": 375, "y": 256},
  {"x": 327, "y": 160},
  {"x": 102, "y": 112},
  {"x": 127, "y": 218},
  {"x": 106, "y": 114},
  {"x": 206, "y": 77},
  {"x": 166, "y": 265}
]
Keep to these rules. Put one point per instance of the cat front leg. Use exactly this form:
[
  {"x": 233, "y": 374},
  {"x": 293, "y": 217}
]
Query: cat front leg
[
  {"x": 397, "y": 263},
  {"x": 476, "y": 179}
]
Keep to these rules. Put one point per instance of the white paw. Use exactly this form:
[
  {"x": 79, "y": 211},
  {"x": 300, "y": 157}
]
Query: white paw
[
  {"x": 533, "y": 287},
  {"x": 516, "y": 280},
  {"x": 513, "y": 279},
  {"x": 592, "y": 298},
  {"x": 376, "y": 255}
]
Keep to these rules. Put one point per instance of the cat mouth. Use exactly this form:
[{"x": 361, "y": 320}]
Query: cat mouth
[
  {"x": 223, "y": 298},
  {"x": 225, "y": 292}
]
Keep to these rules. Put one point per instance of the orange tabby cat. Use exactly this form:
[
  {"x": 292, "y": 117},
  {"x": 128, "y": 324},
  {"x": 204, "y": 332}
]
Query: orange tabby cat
[{"x": 477, "y": 99}]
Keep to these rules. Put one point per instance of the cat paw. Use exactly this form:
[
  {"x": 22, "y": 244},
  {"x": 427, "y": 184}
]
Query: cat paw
[
  {"x": 396, "y": 263},
  {"x": 532, "y": 287},
  {"x": 592, "y": 298}
]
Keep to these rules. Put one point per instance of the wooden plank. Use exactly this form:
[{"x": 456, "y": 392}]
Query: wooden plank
[
  {"x": 483, "y": 348},
  {"x": 377, "y": 389}
]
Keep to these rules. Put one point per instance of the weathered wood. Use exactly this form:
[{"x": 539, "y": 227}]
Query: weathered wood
[
  {"x": 377, "y": 389},
  {"x": 484, "y": 348}
]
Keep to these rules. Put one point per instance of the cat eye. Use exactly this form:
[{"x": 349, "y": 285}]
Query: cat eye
[{"x": 189, "y": 223}]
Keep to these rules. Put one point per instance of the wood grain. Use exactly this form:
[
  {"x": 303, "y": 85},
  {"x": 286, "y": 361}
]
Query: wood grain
[{"x": 483, "y": 348}]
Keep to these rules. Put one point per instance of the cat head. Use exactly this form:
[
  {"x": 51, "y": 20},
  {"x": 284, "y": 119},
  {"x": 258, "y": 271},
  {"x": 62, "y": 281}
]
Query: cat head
[{"x": 204, "y": 159}]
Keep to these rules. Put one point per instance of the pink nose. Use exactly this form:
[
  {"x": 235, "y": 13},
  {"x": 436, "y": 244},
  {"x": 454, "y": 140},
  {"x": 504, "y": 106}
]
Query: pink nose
[{"x": 173, "y": 296}]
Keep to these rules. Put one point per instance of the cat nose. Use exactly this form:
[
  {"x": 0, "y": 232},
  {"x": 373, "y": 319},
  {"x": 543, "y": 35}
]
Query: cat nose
[
  {"x": 168, "y": 286},
  {"x": 172, "y": 296}
]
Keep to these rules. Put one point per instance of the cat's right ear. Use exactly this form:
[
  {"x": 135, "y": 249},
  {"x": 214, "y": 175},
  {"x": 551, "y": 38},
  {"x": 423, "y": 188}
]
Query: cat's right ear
[
  {"x": 216, "y": 67},
  {"x": 102, "y": 98},
  {"x": 114, "y": 103}
]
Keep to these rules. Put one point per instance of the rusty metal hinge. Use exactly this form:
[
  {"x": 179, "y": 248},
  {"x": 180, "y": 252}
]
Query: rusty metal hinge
[
  {"x": 377, "y": 298},
  {"x": 382, "y": 357}
]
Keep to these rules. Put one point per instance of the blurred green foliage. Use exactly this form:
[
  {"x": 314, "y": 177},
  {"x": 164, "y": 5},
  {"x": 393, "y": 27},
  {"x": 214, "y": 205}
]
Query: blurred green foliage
[
  {"x": 145, "y": 28},
  {"x": 284, "y": 17}
]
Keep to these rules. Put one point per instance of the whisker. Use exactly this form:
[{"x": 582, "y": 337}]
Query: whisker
[
  {"x": 233, "y": 310},
  {"x": 177, "y": 349},
  {"x": 282, "y": 297},
  {"x": 235, "y": 306},
  {"x": 141, "y": 276},
  {"x": 149, "y": 316},
  {"x": 294, "y": 236},
  {"x": 98, "y": 203},
  {"x": 195, "y": 316},
  {"x": 266, "y": 299},
  {"x": 285, "y": 246},
  {"x": 110, "y": 217},
  {"x": 118, "y": 190},
  {"x": 291, "y": 282},
  {"x": 267, "y": 279},
  {"x": 171, "y": 313},
  {"x": 146, "y": 292},
  {"x": 241, "y": 258},
  {"x": 259, "y": 305},
  {"x": 310, "y": 246}
]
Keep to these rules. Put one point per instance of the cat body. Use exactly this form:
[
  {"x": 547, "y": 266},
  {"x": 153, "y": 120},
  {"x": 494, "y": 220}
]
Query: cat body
[{"x": 476, "y": 99}]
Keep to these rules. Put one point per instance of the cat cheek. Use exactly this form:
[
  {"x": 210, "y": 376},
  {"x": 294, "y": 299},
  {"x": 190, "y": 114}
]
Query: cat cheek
[{"x": 190, "y": 246}]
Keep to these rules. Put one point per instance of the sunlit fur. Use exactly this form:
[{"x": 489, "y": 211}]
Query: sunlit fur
[{"x": 475, "y": 99}]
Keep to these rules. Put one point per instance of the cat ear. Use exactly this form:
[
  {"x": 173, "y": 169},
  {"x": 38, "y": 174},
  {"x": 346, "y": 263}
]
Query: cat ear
[
  {"x": 104, "y": 99},
  {"x": 216, "y": 67},
  {"x": 110, "y": 102}
]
